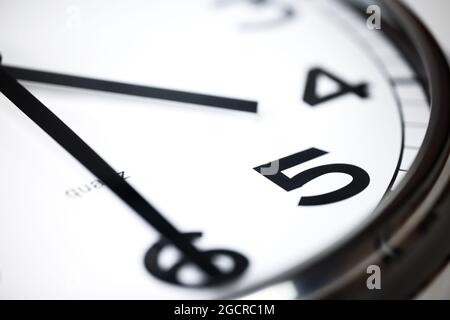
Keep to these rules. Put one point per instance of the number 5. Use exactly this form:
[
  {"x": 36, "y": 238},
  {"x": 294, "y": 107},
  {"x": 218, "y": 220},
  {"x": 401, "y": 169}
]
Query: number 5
[{"x": 360, "y": 177}]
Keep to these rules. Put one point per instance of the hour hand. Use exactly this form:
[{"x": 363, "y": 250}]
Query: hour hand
[
  {"x": 131, "y": 89},
  {"x": 80, "y": 150}
]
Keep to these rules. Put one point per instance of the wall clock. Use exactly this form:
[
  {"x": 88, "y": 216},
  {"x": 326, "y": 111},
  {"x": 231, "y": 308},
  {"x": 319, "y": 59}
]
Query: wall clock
[{"x": 215, "y": 149}]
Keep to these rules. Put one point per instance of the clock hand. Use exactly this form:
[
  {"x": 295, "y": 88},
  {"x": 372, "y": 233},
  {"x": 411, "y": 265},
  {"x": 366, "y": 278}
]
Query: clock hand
[
  {"x": 129, "y": 89},
  {"x": 73, "y": 144}
]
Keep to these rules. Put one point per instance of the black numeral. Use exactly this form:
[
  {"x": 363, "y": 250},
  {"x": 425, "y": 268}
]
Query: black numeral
[
  {"x": 312, "y": 98},
  {"x": 360, "y": 177}
]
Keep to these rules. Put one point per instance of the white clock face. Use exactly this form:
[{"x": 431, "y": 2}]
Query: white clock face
[{"x": 335, "y": 104}]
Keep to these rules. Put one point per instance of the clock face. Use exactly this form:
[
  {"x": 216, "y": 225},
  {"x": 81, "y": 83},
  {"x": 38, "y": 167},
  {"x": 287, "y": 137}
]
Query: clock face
[{"x": 320, "y": 119}]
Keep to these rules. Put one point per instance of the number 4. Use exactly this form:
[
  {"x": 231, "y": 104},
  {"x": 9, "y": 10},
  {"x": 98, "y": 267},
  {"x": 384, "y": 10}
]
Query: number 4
[
  {"x": 311, "y": 96},
  {"x": 360, "y": 178}
]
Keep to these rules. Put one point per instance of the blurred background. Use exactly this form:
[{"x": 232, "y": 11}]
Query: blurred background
[{"x": 435, "y": 14}]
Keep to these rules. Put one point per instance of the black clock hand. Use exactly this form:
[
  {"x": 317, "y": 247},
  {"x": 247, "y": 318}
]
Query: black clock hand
[
  {"x": 73, "y": 144},
  {"x": 129, "y": 89}
]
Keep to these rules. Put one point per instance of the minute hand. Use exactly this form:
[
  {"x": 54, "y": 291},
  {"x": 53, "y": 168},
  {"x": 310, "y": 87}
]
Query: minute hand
[
  {"x": 131, "y": 89},
  {"x": 73, "y": 144}
]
